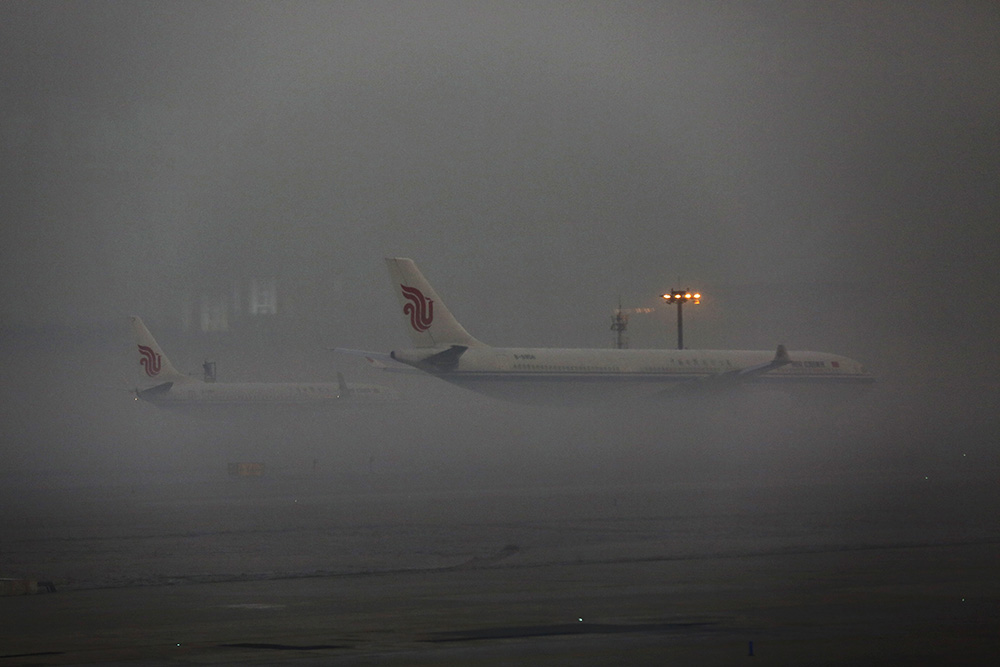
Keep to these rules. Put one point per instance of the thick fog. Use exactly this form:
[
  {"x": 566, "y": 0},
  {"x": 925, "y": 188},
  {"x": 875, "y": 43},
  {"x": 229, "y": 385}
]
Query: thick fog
[{"x": 826, "y": 173}]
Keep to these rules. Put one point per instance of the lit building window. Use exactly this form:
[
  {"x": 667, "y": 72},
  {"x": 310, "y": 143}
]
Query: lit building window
[
  {"x": 213, "y": 314},
  {"x": 263, "y": 297}
]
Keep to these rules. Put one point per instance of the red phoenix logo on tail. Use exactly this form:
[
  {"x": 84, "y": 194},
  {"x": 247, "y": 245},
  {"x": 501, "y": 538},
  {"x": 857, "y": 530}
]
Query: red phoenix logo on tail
[
  {"x": 149, "y": 360},
  {"x": 420, "y": 308}
]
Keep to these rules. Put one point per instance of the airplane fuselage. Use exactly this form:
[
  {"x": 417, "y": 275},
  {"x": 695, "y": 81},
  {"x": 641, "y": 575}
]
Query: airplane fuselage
[
  {"x": 182, "y": 395},
  {"x": 540, "y": 372}
]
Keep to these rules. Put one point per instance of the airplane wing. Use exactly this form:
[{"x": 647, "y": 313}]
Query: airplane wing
[
  {"x": 780, "y": 359},
  {"x": 734, "y": 377}
]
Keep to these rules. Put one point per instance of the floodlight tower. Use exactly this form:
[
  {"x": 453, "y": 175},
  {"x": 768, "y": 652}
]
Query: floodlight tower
[{"x": 680, "y": 297}]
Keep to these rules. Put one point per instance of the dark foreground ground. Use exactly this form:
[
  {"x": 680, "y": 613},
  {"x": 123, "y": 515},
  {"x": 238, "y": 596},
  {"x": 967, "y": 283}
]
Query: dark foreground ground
[{"x": 291, "y": 569}]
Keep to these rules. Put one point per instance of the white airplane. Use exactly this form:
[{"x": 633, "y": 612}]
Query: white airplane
[
  {"x": 163, "y": 385},
  {"x": 444, "y": 349}
]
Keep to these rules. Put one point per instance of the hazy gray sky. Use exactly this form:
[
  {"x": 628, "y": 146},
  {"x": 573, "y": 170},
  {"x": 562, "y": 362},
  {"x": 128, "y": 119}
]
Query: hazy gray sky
[
  {"x": 827, "y": 172},
  {"x": 536, "y": 158}
]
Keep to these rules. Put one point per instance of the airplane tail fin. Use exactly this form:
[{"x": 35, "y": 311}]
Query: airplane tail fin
[
  {"x": 153, "y": 365},
  {"x": 428, "y": 320}
]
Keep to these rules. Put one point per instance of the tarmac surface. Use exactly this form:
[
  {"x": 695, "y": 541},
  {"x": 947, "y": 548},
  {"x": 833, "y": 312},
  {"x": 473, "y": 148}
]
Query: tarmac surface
[{"x": 290, "y": 569}]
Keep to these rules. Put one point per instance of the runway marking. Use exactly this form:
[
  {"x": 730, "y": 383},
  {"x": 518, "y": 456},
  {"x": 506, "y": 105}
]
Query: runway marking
[
  {"x": 285, "y": 647},
  {"x": 253, "y": 605},
  {"x": 561, "y": 629}
]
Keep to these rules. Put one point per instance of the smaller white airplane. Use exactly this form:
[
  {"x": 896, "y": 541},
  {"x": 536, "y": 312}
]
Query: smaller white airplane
[{"x": 164, "y": 386}]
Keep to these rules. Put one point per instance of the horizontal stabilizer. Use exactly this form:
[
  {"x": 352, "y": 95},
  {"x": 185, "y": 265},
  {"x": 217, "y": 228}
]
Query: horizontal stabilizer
[
  {"x": 154, "y": 391},
  {"x": 380, "y": 360},
  {"x": 443, "y": 360},
  {"x": 372, "y": 357},
  {"x": 448, "y": 358}
]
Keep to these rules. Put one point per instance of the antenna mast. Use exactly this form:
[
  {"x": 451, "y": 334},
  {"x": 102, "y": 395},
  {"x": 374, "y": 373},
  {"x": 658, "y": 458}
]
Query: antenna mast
[{"x": 619, "y": 324}]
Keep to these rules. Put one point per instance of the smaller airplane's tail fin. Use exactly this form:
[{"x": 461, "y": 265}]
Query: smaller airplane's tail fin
[
  {"x": 428, "y": 320},
  {"x": 152, "y": 364}
]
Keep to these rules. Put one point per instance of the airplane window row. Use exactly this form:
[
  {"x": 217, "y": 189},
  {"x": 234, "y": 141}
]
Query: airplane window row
[
  {"x": 705, "y": 363},
  {"x": 575, "y": 369}
]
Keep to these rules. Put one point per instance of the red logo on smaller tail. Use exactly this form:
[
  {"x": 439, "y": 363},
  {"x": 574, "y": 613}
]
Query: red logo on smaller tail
[
  {"x": 149, "y": 360},
  {"x": 419, "y": 308}
]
